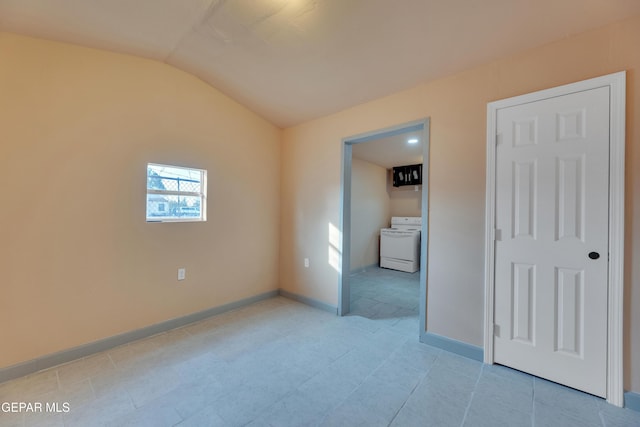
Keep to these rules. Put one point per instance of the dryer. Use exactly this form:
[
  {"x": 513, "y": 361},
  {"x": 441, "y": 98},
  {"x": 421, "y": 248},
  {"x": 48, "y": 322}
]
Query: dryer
[{"x": 400, "y": 244}]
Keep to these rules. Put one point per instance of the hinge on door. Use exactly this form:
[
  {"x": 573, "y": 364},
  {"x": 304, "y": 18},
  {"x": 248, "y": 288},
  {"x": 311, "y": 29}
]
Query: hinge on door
[
  {"x": 496, "y": 330},
  {"x": 497, "y": 234},
  {"x": 498, "y": 138}
]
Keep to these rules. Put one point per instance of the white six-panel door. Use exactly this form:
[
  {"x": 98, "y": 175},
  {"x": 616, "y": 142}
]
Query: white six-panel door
[{"x": 551, "y": 243}]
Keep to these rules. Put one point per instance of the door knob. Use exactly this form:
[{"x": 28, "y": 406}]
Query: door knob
[{"x": 594, "y": 255}]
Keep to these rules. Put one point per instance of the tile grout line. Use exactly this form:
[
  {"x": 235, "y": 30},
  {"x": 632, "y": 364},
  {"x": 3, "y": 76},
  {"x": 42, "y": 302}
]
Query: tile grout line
[
  {"x": 343, "y": 400},
  {"x": 359, "y": 383},
  {"x": 424, "y": 376},
  {"x": 533, "y": 403},
  {"x": 602, "y": 412},
  {"x": 466, "y": 411},
  {"x": 58, "y": 380}
]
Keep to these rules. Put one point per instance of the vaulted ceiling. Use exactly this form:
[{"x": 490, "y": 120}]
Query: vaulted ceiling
[{"x": 296, "y": 60}]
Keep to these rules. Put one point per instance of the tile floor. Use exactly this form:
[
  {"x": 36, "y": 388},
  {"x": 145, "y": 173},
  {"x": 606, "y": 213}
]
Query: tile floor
[
  {"x": 281, "y": 363},
  {"x": 388, "y": 295}
]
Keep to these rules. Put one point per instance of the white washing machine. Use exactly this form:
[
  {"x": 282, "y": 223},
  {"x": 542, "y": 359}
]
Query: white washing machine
[{"x": 400, "y": 244}]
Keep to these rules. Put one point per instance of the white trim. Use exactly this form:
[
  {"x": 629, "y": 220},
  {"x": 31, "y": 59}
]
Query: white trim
[
  {"x": 202, "y": 195},
  {"x": 424, "y": 234},
  {"x": 617, "y": 85},
  {"x": 344, "y": 287},
  {"x": 489, "y": 233},
  {"x": 615, "y": 383}
]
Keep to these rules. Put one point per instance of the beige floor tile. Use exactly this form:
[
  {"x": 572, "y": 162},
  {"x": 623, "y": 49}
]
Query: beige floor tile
[
  {"x": 134, "y": 353},
  {"x": 29, "y": 388},
  {"x": 281, "y": 363},
  {"x": 8, "y": 419},
  {"x": 100, "y": 411},
  {"x": 75, "y": 395},
  {"x": 83, "y": 369}
]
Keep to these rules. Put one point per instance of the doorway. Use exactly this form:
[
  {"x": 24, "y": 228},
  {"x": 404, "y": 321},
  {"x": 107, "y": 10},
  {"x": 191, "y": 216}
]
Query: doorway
[
  {"x": 555, "y": 179},
  {"x": 420, "y": 130}
]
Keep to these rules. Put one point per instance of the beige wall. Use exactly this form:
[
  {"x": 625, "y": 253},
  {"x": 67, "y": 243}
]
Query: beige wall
[
  {"x": 369, "y": 212},
  {"x": 406, "y": 200},
  {"x": 77, "y": 127},
  {"x": 78, "y": 261},
  {"x": 457, "y": 107}
]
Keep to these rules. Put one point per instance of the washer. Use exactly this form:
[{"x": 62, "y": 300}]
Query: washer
[{"x": 400, "y": 244}]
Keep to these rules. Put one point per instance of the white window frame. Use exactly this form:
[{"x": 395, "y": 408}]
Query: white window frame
[{"x": 202, "y": 194}]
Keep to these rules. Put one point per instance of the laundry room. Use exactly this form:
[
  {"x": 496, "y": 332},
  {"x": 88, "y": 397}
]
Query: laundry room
[{"x": 386, "y": 222}]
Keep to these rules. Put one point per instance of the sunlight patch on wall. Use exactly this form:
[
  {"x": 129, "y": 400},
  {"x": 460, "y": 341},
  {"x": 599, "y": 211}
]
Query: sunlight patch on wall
[{"x": 335, "y": 247}]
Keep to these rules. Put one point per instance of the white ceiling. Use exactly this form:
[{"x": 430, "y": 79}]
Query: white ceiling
[
  {"x": 295, "y": 60},
  {"x": 390, "y": 151}
]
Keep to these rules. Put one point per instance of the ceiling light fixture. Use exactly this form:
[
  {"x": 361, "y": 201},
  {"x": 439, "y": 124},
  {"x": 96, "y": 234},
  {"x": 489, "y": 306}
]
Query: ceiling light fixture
[{"x": 412, "y": 141}]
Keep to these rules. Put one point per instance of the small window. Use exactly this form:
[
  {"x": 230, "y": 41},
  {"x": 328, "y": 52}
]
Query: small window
[{"x": 176, "y": 194}]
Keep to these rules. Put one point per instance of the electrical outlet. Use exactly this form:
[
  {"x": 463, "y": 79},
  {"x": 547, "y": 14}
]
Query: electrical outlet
[
  {"x": 182, "y": 273},
  {"x": 306, "y": 263}
]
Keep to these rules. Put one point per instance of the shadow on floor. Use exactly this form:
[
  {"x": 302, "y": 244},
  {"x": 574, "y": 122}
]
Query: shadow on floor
[{"x": 380, "y": 293}]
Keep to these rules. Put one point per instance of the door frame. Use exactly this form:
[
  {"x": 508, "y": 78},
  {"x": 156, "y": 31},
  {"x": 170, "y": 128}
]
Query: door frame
[
  {"x": 617, "y": 84},
  {"x": 344, "y": 287}
]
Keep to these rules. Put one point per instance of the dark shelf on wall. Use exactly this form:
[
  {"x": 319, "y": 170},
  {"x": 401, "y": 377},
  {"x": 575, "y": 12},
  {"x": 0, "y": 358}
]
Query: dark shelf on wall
[{"x": 407, "y": 175}]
